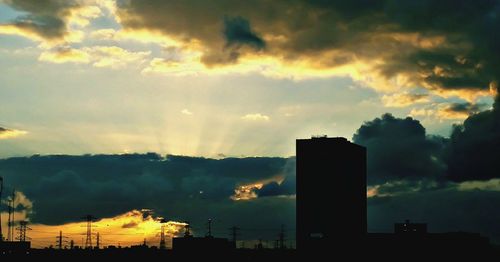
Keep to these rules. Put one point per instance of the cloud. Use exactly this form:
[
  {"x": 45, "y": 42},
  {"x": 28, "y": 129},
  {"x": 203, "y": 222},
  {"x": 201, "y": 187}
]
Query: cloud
[
  {"x": 237, "y": 31},
  {"x": 448, "y": 111},
  {"x": 10, "y": 133},
  {"x": 116, "y": 57},
  {"x": 404, "y": 99},
  {"x": 50, "y": 21},
  {"x": 459, "y": 110},
  {"x": 126, "y": 229},
  {"x": 386, "y": 45},
  {"x": 246, "y": 192},
  {"x": 186, "y": 112},
  {"x": 400, "y": 149},
  {"x": 100, "y": 56},
  {"x": 474, "y": 146},
  {"x": 391, "y": 47},
  {"x": 109, "y": 185},
  {"x": 65, "y": 55},
  {"x": 488, "y": 185},
  {"x": 255, "y": 117}
]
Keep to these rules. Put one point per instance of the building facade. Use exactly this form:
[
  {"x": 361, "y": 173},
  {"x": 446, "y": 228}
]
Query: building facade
[{"x": 331, "y": 193}]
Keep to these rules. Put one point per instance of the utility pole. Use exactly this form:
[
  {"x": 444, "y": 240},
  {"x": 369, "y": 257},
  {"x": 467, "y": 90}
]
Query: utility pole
[
  {"x": 10, "y": 223},
  {"x": 1, "y": 191},
  {"x": 71, "y": 244},
  {"x": 98, "y": 241},
  {"x": 23, "y": 227},
  {"x": 209, "y": 225},
  {"x": 234, "y": 233},
  {"x": 88, "y": 240},
  {"x": 60, "y": 240}
]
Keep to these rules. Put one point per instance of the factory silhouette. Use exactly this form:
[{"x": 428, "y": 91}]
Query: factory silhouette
[{"x": 331, "y": 206}]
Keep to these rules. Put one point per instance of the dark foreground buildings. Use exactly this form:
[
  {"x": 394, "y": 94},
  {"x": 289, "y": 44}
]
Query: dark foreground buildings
[
  {"x": 331, "y": 193},
  {"x": 202, "y": 244},
  {"x": 332, "y": 216}
]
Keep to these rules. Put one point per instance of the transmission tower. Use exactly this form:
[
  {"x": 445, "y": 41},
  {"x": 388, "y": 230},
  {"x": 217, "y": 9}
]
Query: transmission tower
[
  {"x": 88, "y": 240},
  {"x": 97, "y": 246},
  {"x": 282, "y": 237},
  {"x": 60, "y": 240},
  {"x": 187, "y": 230},
  {"x": 234, "y": 233},
  {"x": 10, "y": 223},
  {"x": 23, "y": 227},
  {"x": 162, "y": 235}
]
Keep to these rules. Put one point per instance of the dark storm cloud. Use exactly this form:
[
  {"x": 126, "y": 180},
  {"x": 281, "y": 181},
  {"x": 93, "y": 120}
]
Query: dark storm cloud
[
  {"x": 466, "y": 107},
  {"x": 400, "y": 149},
  {"x": 437, "y": 44},
  {"x": 452, "y": 183},
  {"x": 287, "y": 187},
  {"x": 65, "y": 187},
  {"x": 238, "y": 32},
  {"x": 475, "y": 147},
  {"x": 46, "y": 19}
]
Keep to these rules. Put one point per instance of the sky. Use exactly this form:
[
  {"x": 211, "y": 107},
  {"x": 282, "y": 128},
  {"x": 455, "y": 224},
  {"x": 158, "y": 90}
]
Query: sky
[{"x": 218, "y": 91}]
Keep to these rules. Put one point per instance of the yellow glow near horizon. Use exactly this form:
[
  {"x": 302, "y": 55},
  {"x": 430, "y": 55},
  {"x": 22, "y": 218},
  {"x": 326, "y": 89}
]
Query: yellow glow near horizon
[{"x": 123, "y": 230}]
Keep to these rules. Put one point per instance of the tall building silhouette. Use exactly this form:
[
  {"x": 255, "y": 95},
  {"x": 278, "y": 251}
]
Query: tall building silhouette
[{"x": 331, "y": 193}]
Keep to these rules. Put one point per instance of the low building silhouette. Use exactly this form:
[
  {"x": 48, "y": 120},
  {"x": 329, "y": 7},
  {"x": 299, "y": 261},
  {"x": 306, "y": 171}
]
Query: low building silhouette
[
  {"x": 15, "y": 247},
  {"x": 410, "y": 228},
  {"x": 409, "y": 237},
  {"x": 208, "y": 243}
]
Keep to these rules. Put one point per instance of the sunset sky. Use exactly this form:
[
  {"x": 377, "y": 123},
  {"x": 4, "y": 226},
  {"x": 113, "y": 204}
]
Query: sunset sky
[{"x": 219, "y": 91}]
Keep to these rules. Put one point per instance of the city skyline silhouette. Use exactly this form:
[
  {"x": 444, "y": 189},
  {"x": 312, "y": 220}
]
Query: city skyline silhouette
[{"x": 258, "y": 129}]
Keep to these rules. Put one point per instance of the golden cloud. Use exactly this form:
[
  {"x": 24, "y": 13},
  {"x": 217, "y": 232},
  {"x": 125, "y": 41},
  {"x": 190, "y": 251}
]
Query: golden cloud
[
  {"x": 116, "y": 57},
  {"x": 246, "y": 192},
  {"x": 11, "y": 133},
  {"x": 404, "y": 99},
  {"x": 65, "y": 55},
  {"x": 100, "y": 56},
  {"x": 255, "y": 117},
  {"x": 52, "y": 22},
  {"x": 447, "y": 111}
]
